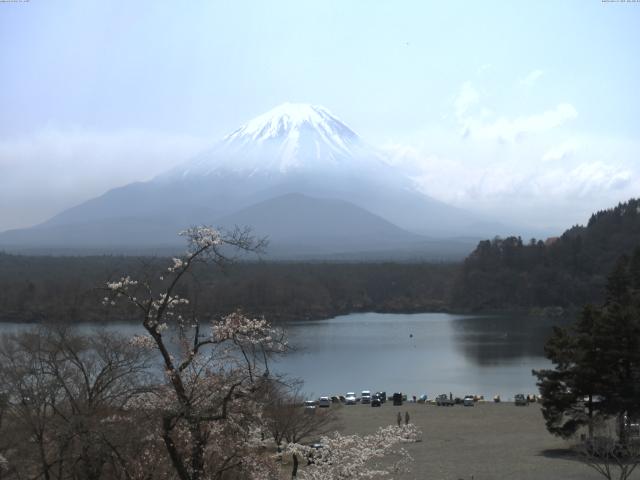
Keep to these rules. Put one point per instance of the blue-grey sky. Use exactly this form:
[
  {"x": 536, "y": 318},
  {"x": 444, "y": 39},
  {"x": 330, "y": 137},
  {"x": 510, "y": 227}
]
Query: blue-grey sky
[{"x": 528, "y": 110}]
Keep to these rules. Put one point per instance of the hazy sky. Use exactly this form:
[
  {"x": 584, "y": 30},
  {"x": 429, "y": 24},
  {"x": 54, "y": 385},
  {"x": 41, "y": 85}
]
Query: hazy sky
[{"x": 525, "y": 109}]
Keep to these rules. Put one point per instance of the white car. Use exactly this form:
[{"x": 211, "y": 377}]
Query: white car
[
  {"x": 366, "y": 396},
  {"x": 350, "y": 398},
  {"x": 469, "y": 401},
  {"x": 324, "y": 402},
  {"x": 310, "y": 405}
]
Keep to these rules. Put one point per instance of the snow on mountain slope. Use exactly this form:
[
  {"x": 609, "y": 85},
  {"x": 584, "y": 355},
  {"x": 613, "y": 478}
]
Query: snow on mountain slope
[{"x": 290, "y": 138}]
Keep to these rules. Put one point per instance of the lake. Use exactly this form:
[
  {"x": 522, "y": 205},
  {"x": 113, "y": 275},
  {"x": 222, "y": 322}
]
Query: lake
[
  {"x": 424, "y": 353},
  {"x": 428, "y": 353}
]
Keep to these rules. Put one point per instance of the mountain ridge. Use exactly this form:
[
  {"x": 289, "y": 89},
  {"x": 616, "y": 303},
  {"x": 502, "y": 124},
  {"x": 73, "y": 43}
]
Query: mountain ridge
[{"x": 294, "y": 148}]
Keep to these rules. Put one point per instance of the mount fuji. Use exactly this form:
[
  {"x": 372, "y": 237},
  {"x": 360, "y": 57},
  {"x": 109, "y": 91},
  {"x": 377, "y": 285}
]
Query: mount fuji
[{"x": 296, "y": 174}]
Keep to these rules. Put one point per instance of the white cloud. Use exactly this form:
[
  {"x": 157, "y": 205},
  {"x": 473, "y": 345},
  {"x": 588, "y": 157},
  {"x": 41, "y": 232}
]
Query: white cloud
[
  {"x": 466, "y": 98},
  {"x": 561, "y": 152},
  {"x": 531, "y": 79},
  {"x": 517, "y": 189},
  {"x": 506, "y": 129},
  {"x": 483, "y": 124},
  {"x": 587, "y": 179},
  {"x": 529, "y": 169}
]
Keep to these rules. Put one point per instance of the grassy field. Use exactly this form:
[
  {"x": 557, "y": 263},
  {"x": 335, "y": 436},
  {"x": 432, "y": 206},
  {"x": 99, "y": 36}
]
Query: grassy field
[{"x": 484, "y": 442}]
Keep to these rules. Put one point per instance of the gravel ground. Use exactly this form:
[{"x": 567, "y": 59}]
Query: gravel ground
[{"x": 484, "y": 442}]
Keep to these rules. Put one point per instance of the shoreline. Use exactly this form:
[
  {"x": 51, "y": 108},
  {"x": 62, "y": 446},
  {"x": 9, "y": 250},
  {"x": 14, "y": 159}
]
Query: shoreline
[{"x": 546, "y": 313}]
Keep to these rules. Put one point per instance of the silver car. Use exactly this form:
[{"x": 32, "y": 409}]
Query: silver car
[{"x": 350, "y": 398}]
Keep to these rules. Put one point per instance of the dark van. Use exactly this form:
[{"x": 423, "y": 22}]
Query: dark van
[{"x": 397, "y": 399}]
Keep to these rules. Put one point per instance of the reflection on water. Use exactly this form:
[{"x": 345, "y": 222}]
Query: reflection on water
[
  {"x": 428, "y": 353},
  {"x": 495, "y": 340}
]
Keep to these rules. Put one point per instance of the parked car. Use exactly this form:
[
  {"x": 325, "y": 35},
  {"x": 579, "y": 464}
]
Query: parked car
[
  {"x": 469, "y": 401},
  {"x": 350, "y": 398},
  {"x": 632, "y": 427},
  {"x": 310, "y": 406},
  {"x": 443, "y": 400},
  {"x": 314, "y": 452},
  {"x": 324, "y": 402},
  {"x": 366, "y": 396},
  {"x": 520, "y": 399},
  {"x": 397, "y": 398},
  {"x": 382, "y": 396},
  {"x": 375, "y": 401}
]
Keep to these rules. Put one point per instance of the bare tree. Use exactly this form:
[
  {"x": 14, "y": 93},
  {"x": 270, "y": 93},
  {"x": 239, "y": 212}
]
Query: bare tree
[
  {"x": 66, "y": 394},
  {"x": 287, "y": 420},
  {"x": 605, "y": 454}
]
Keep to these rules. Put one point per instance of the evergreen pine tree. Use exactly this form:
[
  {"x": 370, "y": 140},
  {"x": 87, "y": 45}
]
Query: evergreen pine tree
[{"x": 597, "y": 361}]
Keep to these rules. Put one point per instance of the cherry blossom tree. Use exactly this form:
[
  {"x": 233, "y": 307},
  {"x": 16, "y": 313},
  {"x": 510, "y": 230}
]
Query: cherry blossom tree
[
  {"x": 378, "y": 455},
  {"x": 216, "y": 370}
]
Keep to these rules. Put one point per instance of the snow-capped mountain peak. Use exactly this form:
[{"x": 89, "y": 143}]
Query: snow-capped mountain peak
[
  {"x": 290, "y": 118},
  {"x": 292, "y": 137}
]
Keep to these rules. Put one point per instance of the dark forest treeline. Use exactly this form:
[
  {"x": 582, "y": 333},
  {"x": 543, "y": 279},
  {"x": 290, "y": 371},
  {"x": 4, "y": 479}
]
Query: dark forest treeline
[
  {"x": 501, "y": 274},
  {"x": 565, "y": 272},
  {"x": 68, "y": 288}
]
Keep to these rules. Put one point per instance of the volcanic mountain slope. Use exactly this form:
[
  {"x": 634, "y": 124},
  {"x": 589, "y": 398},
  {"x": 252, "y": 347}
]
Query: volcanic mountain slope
[
  {"x": 302, "y": 225},
  {"x": 293, "y": 149}
]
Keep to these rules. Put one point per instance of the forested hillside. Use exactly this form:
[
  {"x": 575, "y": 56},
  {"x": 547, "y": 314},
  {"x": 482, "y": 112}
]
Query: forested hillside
[
  {"x": 565, "y": 272},
  {"x": 67, "y": 288}
]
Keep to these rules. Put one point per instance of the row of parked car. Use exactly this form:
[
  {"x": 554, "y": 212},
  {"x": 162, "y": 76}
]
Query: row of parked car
[
  {"x": 445, "y": 400},
  {"x": 378, "y": 398},
  {"x": 350, "y": 398}
]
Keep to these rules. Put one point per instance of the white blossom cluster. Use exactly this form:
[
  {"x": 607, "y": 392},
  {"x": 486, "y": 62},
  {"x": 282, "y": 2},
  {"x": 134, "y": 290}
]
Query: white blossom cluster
[
  {"x": 177, "y": 264},
  {"x": 144, "y": 342},
  {"x": 170, "y": 302},
  {"x": 121, "y": 284},
  {"x": 202, "y": 236},
  {"x": 118, "y": 288},
  {"x": 238, "y": 327},
  {"x": 354, "y": 456}
]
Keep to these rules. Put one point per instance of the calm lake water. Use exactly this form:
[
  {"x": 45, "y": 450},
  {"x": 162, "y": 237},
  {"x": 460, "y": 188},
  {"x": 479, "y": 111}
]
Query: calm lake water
[{"x": 427, "y": 353}]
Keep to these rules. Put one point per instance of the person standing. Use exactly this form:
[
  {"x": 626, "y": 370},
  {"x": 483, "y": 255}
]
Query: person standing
[
  {"x": 399, "y": 419},
  {"x": 406, "y": 418}
]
